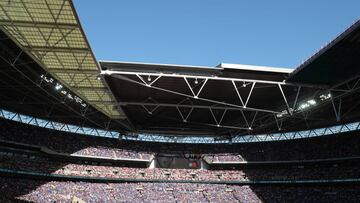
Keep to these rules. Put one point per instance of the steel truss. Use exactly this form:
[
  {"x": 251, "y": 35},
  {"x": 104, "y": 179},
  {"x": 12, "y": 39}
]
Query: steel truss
[
  {"x": 56, "y": 125},
  {"x": 337, "y": 92},
  {"x": 83, "y": 112},
  {"x": 271, "y": 116},
  {"x": 70, "y": 34},
  {"x": 332, "y": 130},
  {"x": 203, "y": 80}
]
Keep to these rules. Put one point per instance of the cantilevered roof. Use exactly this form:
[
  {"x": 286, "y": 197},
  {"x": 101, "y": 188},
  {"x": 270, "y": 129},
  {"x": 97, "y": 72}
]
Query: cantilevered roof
[
  {"x": 26, "y": 88},
  {"x": 336, "y": 62},
  {"x": 50, "y": 32},
  {"x": 198, "y": 100},
  {"x": 176, "y": 99}
]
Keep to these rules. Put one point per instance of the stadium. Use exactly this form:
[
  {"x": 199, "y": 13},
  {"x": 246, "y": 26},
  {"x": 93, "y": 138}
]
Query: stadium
[{"x": 75, "y": 129}]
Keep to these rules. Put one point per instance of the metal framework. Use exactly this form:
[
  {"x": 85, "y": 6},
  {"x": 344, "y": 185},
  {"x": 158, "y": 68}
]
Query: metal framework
[
  {"x": 331, "y": 95},
  {"x": 332, "y": 130},
  {"x": 50, "y": 32},
  {"x": 56, "y": 125},
  {"x": 292, "y": 108},
  {"x": 202, "y": 80},
  {"x": 33, "y": 92}
]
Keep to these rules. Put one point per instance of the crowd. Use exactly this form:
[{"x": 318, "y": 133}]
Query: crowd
[
  {"x": 101, "y": 151},
  {"x": 44, "y": 165},
  {"x": 224, "y": 157},
  {"x": 68, "y": 142},
  {"x": 40, "y": 191},
  {"x": 345, "y": 145},
  {"x": 333, "y": 146}
]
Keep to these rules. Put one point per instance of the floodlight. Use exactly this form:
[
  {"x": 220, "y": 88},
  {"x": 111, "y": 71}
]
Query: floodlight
[
  {"x": 311, "y": 102},
  {"x": 58, "y": 86}
]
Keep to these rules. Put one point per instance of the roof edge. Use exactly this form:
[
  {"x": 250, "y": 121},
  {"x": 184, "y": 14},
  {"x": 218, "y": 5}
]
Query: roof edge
[
  {"x": 328, "y": 46},
  {"x": 158, "y": 64},
  {"x": 254, "y": 68}
]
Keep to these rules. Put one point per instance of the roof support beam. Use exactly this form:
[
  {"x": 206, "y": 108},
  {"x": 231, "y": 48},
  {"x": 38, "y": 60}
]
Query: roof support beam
[
  {"x": 337, "y": 109},
  {"x": 113, "y": 72},
  {"x": 79, "y": 88},
  {"x": 296, "y": 97},
  {"x": 251, "y": 90},
  {"x": 196, "y": 95},
  {"x": 238, "y": 93},
  {"x": 74, "y": 71},
  {"x": 191, "y": 96},
  {"x": 218, "y": 121},
  {"x": 286, "y": 102},
  {"x": 176, "y": 105},
  {"x": 342, "y": 94},
  {"x": 185, "y": 115},
  {"x": 57, "y": 49},
  {"x": 37, "y": 24}
]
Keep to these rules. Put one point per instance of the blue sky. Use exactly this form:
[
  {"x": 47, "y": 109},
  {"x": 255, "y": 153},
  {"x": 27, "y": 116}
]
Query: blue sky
[{"x": 207, "y": 32}]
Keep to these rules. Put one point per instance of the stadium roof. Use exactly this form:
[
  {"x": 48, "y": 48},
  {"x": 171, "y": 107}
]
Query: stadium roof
[
  {"x": 27, "y": 88},
  {"x": 234, "y": 98},
  {"x": 228, "y": 99},
  {"x": 190, "y": 99},
  {"x": 48, "y": 70},
  {"x": 50, "y": 32},
  {"x": 337, "y": 61}
]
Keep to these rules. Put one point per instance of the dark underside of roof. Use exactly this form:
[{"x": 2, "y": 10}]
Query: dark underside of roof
[
  {"x": 151, "y": 109},
  {"x": 22, "y": 90},
  {"x": 169, "y": 119},
  {"x": 336, "y": 62}
]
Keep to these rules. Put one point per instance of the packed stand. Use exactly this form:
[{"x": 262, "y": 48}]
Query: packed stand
[
  {"x": 47, "y": 166},
  {"x": 69, "y": 143},
  {"x": 230, "y": 157},
  {"x": 334, "y": 146},
  {"x": 14, "y": 190}
]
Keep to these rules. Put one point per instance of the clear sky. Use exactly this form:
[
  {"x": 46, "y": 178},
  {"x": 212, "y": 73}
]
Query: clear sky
[{"x": 276, "y": 33}]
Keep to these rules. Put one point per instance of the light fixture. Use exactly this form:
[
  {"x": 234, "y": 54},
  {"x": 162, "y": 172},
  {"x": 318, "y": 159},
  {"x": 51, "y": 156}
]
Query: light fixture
[
  {"x": 304, "y": 106},
  {"x": 244, "y": 84},
  {"x": 149, "y": 78},
  {"x": 307, "y": 104},
  {"x": 196, "y": 81},
  {"x": 325, "y": 96},
  {"x": 311, "y": 102},
  {"x": 98, "y": 77},
  {"x": 58, "y": 86}
]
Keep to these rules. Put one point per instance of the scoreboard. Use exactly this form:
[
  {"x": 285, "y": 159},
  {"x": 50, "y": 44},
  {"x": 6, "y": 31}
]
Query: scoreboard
[{"x": 175, "y": 161}]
